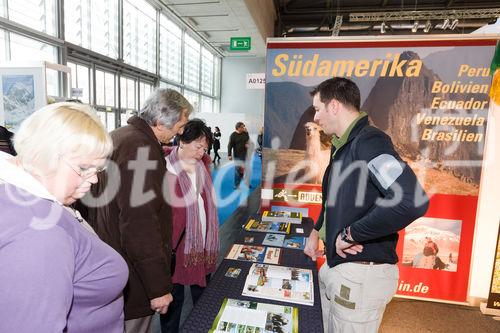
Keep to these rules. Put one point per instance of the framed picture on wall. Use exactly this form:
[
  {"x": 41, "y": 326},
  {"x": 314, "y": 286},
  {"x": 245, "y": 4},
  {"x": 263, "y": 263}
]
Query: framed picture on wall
[{"x": 22, "y": 91}]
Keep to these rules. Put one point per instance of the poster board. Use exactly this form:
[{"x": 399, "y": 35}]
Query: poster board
[
  {"x": 22, "y": 91},
  {"x": 430, "y": 96}
]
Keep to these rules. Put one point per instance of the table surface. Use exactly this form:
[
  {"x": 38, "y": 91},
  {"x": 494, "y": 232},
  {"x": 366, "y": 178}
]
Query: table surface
[{"x": 220, "y": 286}]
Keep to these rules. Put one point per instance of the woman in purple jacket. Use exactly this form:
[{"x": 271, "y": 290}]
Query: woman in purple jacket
[
  {"x": 55, "y": 275},
  {"x": 195, "y": 234}
]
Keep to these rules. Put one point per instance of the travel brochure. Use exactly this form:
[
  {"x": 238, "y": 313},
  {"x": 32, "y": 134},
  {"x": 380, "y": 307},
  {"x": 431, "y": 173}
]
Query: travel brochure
[
  {"x": 255, "y": 253},
  {"x": 239, "y": 316},
  {"x": 292, "y": 242},
  {"x": 280, "y": 283},
  {"x": 295, "y": 242},
  {"x": 288, "y": 217},
  {"x": 274, "y": 240},
  {"x": 259, "y": 226}
]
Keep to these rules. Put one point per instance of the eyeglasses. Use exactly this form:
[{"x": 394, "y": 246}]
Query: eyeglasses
[{"x": 85, "y": 173}]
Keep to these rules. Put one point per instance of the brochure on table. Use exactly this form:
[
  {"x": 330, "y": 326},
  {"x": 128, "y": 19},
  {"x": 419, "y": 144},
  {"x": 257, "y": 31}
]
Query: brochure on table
[
  {"x": 255, "y": 253},
  {"x": 252, "y": 317},
  {"x": 280, "y": 283}
]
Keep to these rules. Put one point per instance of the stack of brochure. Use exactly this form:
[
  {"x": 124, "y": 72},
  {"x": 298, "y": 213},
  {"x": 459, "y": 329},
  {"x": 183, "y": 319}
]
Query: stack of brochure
[
  {"x": 260, "y": 226},
  {"x": 288, "y": 217},
  {"x": 255, "y": 253},
  {"x": 247, "y": 316},
  {"x": 280, "y": 283},
  {"x": 290, "y": 242}
]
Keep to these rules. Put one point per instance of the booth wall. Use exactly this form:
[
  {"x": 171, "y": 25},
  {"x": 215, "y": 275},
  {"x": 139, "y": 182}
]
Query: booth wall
[
  {"x": 488, "y": 211},
  {"x": 236, "y": 98}
]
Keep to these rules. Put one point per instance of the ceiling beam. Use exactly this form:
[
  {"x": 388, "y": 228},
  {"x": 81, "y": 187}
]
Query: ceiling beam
[{"x": 424, "y": 15}]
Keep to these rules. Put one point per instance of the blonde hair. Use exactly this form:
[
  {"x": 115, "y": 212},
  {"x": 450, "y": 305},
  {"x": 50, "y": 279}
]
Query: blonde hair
[{"x": 60, "y": 129}]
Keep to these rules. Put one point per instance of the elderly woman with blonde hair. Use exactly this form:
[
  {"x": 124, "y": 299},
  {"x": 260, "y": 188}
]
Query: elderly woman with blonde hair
[{"x": 56, "y": 276}]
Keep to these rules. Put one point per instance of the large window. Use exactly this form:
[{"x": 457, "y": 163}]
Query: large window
[
  {"x": 36, "y": 14},
  {"x": 191, "y": 62},
  {"x": 117, "y": 43},
  {"x": 92, "y": 24},
  {"x": 170, "y": 50},
  {"x": 139, "y": 34}
]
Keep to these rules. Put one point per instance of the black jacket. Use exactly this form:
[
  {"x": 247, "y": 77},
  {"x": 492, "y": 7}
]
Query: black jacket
[
  {"x": 6, "y": 141},
  {"x": 351, "y": 189}
]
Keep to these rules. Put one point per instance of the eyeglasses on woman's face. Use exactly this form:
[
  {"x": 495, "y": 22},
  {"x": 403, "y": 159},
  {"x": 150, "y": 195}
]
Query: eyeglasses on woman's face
[{"x": 85, "y": 171}]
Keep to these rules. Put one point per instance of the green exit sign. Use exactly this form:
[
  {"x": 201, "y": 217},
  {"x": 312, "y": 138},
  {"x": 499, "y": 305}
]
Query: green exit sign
[{"x": 240, "y": 44}]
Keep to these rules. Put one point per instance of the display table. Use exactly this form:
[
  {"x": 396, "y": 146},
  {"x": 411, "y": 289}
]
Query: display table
[{"x": 220, "y": 287}]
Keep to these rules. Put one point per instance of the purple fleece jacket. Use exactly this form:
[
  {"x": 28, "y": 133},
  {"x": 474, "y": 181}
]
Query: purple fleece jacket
[{"x": 54, "y": 274}]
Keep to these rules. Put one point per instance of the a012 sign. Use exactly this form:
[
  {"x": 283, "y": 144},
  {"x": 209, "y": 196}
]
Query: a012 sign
[{"x": 256, "y": 80}]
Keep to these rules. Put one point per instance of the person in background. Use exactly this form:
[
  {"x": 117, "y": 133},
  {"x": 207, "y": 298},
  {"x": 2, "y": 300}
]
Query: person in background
[
  {"x": 210, "y": 146},
  {"x": 237, "y": 147},
  {"x": 137, "y": 221},
  {"x": 216, "y": 137},
  {"x": 6, "y": 141},
  {"x": 369, "y": 194},
  {"x": 195, "y": 236},
  {"x": 260, "y": 139},
  {"x": 56, "y": 276}
]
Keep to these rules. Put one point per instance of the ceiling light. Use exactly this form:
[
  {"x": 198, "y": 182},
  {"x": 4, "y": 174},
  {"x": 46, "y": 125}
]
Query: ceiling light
[
  {"x": 446, "y": 23},
  {"x": 428, "y": 26},
  {"x": 415, "y": 27},
  {"x": 454, "y": 24},
  {"x": 382, "y": 28}
]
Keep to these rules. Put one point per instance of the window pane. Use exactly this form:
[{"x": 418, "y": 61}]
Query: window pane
[
  {"x": 128, "y": 92},
  {"x": 207, "y": 71},
  {"x": 170, "y": 50},
  {"x": 52, "y": 81},
  {"x": 207, "y": 104},
  {"x": 194, "y": 99},
  {"x": 26, "y": 49},
  {"x": 139, "y": 35},
  {"x": 80, "y": 79},
  {"x": 107, "y": 117},
  {"x": 191, "y": 62},
  {"x": 3, "y": 46},
  {"x": 217, "y": 76},
  {"x": 36, "y": 14},
  {"x": 105, "y": 88},
  {"x": 92, "y": 24},
  {"x": 145, "y": 90},
  {"x": 170, "y": 86}
]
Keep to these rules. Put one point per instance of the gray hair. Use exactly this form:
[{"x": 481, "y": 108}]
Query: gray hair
[{"x": 166, "y": 107}]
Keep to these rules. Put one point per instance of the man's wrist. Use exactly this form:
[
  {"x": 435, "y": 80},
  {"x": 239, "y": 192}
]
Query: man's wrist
[{"x": 345, "y": 235}]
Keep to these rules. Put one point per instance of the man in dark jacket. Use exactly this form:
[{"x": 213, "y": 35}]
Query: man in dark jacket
[
  {"x": 137, "y": 221},
  {"x": 237, "y": 147},
  {"x": 369, "y": 194},
  {"x": 6, "y": 141}
]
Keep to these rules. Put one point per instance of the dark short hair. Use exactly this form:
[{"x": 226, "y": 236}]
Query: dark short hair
[
  {"x": 343, "y": 90},
  {"x": 239, "y": 124},
  {"x": 196, "y": 129}
]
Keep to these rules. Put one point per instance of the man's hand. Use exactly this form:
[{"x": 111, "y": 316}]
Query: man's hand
[
  {"x": 342, "y": 247},
  {"x": 230, "y": 158},
  {"x": 160, "y": 304},
  {"x": 312, "y": 245}
]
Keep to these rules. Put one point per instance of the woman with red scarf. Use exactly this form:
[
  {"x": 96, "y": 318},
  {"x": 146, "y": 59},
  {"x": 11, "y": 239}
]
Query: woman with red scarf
[{"x": 195, "y": 234}]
